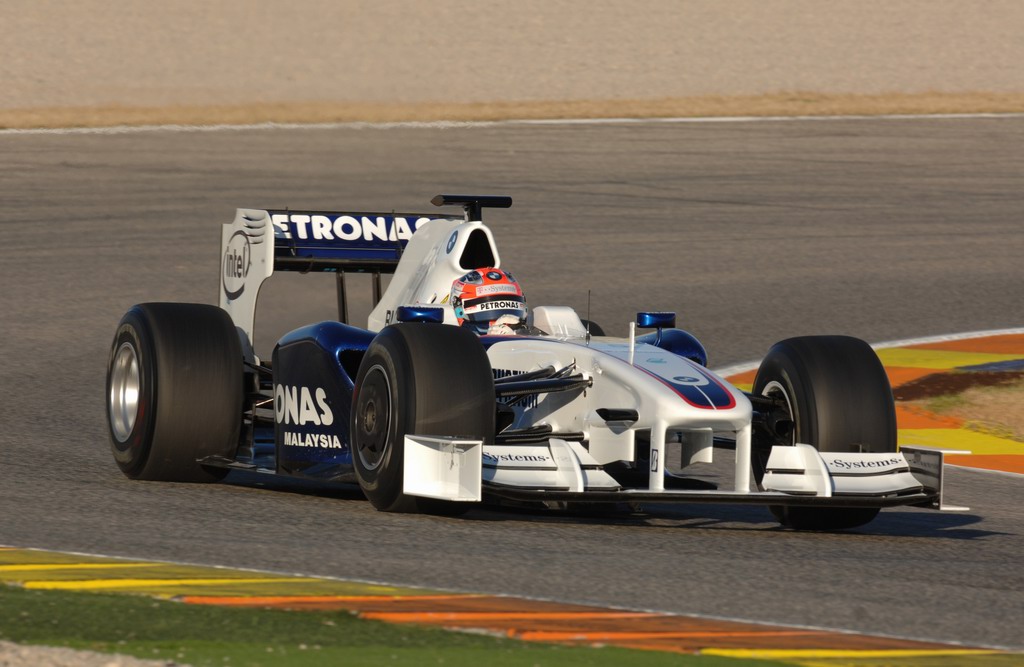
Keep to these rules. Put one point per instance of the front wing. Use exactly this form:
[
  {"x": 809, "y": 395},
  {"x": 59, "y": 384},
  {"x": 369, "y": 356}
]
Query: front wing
[{"x": 453, "y": 469}]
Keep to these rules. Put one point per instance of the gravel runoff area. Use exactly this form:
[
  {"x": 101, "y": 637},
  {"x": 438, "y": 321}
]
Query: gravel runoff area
[
  {"x": 16, "y": 655},
  {"x": 98, "y": 63}
]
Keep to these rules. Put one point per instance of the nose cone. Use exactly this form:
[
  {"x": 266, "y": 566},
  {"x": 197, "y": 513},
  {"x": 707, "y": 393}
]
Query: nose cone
[{"x": 677, "y": 389}]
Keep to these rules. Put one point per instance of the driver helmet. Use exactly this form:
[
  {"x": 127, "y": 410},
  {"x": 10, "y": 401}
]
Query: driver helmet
[{"x": 484, "y": 295}]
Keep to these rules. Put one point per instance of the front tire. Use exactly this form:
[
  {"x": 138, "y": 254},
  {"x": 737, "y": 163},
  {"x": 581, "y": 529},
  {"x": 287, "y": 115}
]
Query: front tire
[
  {"x": 424, "y": 379},
  {"x": 839, "y": 400},
  {"x": 174, "y": 391}
]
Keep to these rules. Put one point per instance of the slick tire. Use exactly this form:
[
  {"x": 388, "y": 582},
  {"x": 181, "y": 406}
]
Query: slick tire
[
  {"x": 174, "y": 391},
  {"x": 839, "y": 400},
  {"x": 594, "y": 328},
  {"x": 417, "y": 378}
]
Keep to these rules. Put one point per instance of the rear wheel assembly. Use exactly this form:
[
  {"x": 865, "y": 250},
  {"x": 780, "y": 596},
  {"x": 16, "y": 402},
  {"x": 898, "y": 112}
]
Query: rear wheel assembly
[{"x": 174, "y": 391}]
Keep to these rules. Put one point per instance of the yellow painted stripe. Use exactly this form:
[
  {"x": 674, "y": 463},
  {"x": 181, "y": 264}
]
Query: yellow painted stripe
[
  {"x": 949, "y": 438},
  {"x": 602, "y": 635},
  {"x": 265, "y": 600},
  {"x": 101, "y": 584},
  {"x": 42, "y": 567},
  {"x": 939, "y": 359},
  {"x": 816, "y": 653},
  {"x": 429, "y": 616}
]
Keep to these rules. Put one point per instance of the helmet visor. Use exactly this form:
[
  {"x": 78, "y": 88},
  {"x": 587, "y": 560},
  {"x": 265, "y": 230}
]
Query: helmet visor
[
  {"x": 491, "y": 315},
  {"x": 488, "y": 309}
]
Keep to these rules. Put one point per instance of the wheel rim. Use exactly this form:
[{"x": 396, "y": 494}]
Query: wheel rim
[
  {"x": 373, "y": 418},
  {"x": 124, "y": 392}
]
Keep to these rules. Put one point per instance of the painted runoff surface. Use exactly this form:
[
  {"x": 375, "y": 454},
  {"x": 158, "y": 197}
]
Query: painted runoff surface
[{"x": 524, "y": 619}]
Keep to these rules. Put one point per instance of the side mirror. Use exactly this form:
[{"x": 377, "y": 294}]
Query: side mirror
[
  {"x": 420, "y": 314},
  {"x": 662, "y": 320}
]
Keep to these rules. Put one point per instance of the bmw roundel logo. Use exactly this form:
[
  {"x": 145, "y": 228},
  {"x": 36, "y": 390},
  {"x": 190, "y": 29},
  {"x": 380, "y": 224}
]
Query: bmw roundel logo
[
  {"x": 451, "y": 241},
  {"x": 691, "y": 380},
  {"x": 494, "y": 275}
]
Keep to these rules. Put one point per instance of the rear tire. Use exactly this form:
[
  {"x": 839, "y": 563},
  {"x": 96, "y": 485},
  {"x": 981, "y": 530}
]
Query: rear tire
[
  {"x": 417, "y": 378},
  {"x": 174, "y": 391},
  {"x": 839, "y": 400}
]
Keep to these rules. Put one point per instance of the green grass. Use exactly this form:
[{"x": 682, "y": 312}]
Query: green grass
[
  {"x": 945, "y": 403},
  {"x": 996, "y": 410},
  {"x": 205, "y": 635}
]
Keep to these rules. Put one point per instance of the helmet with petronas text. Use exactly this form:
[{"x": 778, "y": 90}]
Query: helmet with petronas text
[{"x": 485, "y": 295}]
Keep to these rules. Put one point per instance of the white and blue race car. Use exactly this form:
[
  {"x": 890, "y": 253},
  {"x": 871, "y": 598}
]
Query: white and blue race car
[{"x": 428, "y": 416}]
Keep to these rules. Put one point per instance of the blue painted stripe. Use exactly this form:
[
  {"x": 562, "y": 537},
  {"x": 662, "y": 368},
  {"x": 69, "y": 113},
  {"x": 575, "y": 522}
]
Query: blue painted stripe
[{"x": 1011, "y": 365}]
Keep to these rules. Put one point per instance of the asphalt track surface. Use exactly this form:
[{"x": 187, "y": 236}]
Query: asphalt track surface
[{"x": 753, "y": 232}]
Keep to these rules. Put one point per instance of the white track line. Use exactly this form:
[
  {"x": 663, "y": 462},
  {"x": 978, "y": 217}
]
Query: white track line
[
  {"x": 989, "y": 471},
  {"x": 449, "y": 125}
]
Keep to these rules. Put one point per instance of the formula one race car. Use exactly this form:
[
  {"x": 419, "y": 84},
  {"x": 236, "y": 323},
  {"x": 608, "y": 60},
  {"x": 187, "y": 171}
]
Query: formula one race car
[{"x": 426, "y": 415}]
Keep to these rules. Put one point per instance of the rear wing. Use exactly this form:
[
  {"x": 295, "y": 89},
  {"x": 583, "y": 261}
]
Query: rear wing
[
  {"x": 258, "y": 242},
  {"x": 357, "y": 242}
]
